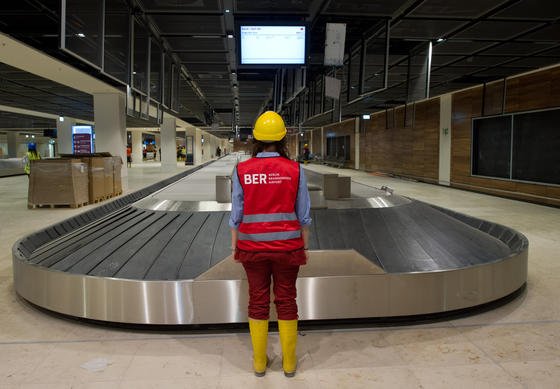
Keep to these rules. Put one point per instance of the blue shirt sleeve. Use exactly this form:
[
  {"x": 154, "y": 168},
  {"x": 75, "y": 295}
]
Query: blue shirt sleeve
[
  {"x": 236, "y": 214},
  {"x": 303, "y": 204}
]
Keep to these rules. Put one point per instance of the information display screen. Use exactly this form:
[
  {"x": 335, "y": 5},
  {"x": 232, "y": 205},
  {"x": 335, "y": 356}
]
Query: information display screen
[
  {"x": 82, "y": 139},
  {"x": 272, "y": 45}
]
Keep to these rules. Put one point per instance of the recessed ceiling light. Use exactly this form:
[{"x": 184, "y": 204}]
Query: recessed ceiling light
[
  {"x": 227, "y": 11},
  {"x": 81, "y": 35},
  {"x": 440, "y": 40},
  {"x": 230, "y": 36},
  {"x": 61, "y": 118}
]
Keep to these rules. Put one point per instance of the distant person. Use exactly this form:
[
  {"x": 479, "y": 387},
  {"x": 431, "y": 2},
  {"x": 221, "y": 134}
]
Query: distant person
[
  {"x": 306, "y": 152},
  {"x": 218, "y": 152},
  {"x": 128, "y": 156},
  {"x": 32, "y": 155},
  {"x": 269, "y": 223}
]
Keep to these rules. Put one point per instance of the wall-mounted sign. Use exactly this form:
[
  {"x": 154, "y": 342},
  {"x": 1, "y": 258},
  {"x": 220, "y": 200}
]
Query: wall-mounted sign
[
  {"x": 334, "y": 44},
  {"x": 332, "y": 87}
]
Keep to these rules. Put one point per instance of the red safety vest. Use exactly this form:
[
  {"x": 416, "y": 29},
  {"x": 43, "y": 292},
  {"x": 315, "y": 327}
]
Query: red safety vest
[{"x": 270, "y": 187}]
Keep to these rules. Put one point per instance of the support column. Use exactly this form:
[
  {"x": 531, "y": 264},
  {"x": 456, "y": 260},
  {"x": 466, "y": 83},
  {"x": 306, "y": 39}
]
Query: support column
[
  {"x": 64, "y": 136},
  {"x": 198, "y": 155},
  {"x": 168, "y": 149},
  {"x": 110, "y": 127},
  {"x": 357, "y": 143},
  {"x": 158, "y": 146},
  {"x": 12, "y": 144},
  {"x": 322, "y": 143},
  {"x": 445, "y": 140},
  {"x": 136, "y": 146}
]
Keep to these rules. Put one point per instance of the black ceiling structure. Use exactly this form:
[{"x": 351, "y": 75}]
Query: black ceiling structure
[
  {"x": 10, "y": 120},
  {"x": 465, "y": 43}
]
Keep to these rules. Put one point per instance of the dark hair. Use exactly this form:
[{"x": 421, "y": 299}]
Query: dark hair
[{"x": 280, "y": 147}]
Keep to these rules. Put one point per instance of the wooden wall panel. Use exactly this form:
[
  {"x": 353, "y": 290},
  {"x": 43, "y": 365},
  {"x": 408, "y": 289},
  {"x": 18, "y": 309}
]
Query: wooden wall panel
[
  {"x": 403, "y": 151},
  {"x": 524, "y": 93},
  {"x": 464, "y": 106},
  {"x": 494, "y": 98},
  {"x": 533, "y": 91}
]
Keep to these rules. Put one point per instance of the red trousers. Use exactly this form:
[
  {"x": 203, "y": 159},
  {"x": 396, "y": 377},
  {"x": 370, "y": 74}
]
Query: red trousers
[{"x": 284, "y": 276}]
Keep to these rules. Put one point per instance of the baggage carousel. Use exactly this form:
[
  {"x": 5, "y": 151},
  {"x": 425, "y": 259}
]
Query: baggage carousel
[{"x": 161, "y": 256}]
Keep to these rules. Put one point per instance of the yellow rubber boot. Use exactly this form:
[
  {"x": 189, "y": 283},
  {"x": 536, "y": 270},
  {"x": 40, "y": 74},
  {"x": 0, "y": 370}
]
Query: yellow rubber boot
[
  {"x": 288, "y": 340},
  {"x": 259, "y": 335}
]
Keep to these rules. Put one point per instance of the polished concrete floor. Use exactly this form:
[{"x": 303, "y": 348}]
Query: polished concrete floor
[{"x": 514, "y": 346}]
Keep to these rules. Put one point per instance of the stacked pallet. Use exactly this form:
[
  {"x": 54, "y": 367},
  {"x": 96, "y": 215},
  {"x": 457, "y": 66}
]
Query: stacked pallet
[
  {"x": 104, "y": 176},
  {"x": 117, "y": 181},
  {"x": 74, "y": 180},
  {"x": 58, "y": 182}
]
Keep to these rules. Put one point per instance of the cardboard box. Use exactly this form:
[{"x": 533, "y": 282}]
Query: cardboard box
[
  {"x": 96, "y": 175},
  {"x": 117, "y": 181},
  {"x": 58, "y": 182},
  {"x": 108, "y": 170}
]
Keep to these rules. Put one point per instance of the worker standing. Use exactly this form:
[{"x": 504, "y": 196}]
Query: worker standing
[
  {"x": 269, "y": 223},
  {"x": 31, "y": 155}
]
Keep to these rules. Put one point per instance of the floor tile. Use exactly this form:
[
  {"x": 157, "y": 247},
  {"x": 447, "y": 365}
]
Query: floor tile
[
  {"x": 19, "y": 361},
  {"x": 435, "y": 346},
  {"x": 517, "y": 342},
  {"x": 378, "y": 377},
  {"x": 480, "y": 376},
  {"x": 340, "y": 350},
  {"x": 535, "y": 374},
  {"x": 67, "y": 363}
]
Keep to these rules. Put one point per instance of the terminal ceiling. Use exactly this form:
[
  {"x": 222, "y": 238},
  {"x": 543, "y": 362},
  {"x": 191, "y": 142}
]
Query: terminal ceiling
[{"x": 473, "y": 42}]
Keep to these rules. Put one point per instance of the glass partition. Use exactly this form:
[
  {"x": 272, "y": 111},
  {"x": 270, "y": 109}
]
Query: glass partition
[
  {"x": 140, "y": 59},
  {"x": 117, "y": 32},
  {"x": 375, "y": 65},
  {"x": 167, "y": 81},
  {"x": 354, "y": 77},
  {"x": 82, "y": 29},
  {"x": 155, "y": 71}
]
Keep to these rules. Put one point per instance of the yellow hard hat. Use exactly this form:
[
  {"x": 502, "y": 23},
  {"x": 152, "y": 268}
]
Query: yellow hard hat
[{"x": 269, "y": 127}]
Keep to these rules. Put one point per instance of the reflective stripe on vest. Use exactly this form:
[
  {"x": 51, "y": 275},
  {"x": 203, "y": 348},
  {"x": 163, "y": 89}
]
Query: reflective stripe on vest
[
  {"x": 269, "y": 217},
  {"x": 270, "y": 236},
  {"x": 270, "y": 188}
]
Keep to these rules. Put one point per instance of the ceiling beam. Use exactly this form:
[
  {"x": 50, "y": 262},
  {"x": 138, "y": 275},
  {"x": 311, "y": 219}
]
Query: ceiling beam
[{"x": 21, "y": 56}]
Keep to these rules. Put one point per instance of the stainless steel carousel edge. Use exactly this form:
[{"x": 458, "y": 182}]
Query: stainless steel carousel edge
[{"x": 181, "y": 302}]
